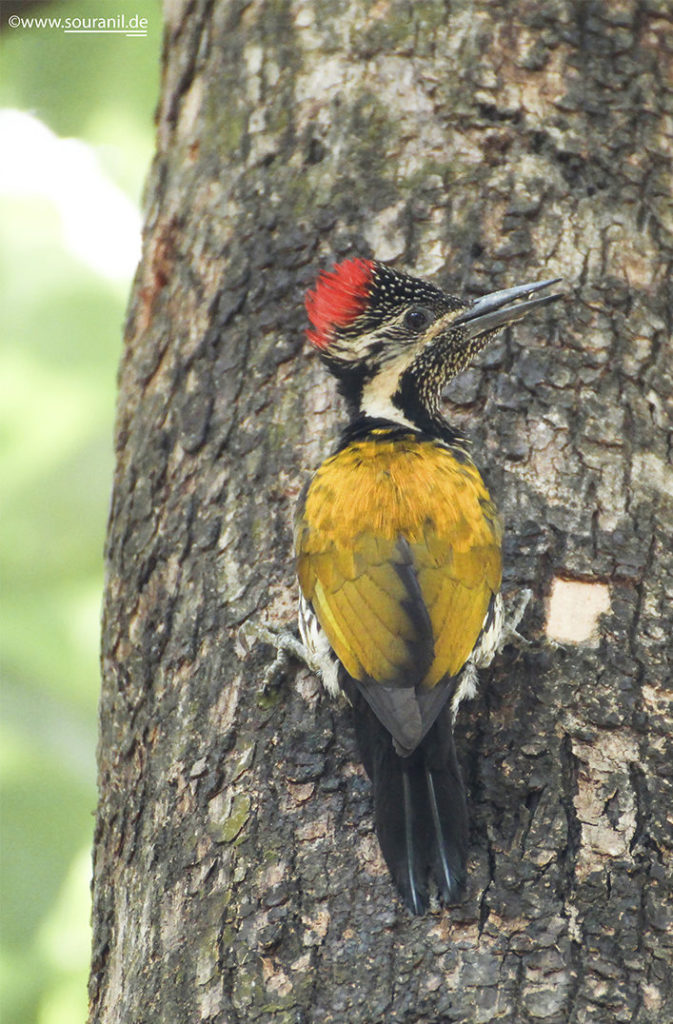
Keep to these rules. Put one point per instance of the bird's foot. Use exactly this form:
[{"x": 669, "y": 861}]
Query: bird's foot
[
  {"x": 514, "y": 613},
  {"x": 285, "y": 643}
]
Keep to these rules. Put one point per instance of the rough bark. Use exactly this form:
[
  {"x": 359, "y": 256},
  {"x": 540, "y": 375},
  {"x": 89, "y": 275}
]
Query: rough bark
[{"x": 480, "y": 144}]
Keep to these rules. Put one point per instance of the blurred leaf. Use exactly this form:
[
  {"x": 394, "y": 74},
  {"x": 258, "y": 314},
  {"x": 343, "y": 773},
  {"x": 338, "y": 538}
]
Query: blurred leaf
[
  {"x": 61, "y": 339},
  {"x": 101, "y": 88}
]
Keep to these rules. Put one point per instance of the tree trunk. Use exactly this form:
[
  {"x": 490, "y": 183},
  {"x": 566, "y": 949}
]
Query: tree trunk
[{"x": 480, "y": 144}]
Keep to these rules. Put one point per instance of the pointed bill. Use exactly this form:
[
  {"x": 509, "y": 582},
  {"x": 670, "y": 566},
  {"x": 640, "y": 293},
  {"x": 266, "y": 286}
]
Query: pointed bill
[{"x": 503, "y": 307}]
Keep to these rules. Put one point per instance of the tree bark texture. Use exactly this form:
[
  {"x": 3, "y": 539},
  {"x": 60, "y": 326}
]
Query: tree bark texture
[{"x": 479, "y": 144}]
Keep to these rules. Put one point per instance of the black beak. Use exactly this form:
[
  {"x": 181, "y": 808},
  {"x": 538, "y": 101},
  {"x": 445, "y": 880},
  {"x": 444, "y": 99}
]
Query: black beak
[{"x": 502, "y": 307}]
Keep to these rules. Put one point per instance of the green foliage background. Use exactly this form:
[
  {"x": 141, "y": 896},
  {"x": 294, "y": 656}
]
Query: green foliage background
[{"x": 60, "y": 345}]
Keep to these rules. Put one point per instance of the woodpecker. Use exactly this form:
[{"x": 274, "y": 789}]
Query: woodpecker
[{"x": 398, "y": 551}]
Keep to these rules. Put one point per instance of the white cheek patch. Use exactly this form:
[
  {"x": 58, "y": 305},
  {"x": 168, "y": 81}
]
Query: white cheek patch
[
  {"x": 380, "y": 407},
  {"x": 378, "y": 393}
]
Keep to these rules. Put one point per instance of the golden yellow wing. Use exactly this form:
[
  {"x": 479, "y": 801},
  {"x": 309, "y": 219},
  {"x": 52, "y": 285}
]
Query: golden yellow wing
[{"x": 398, "y": 552}]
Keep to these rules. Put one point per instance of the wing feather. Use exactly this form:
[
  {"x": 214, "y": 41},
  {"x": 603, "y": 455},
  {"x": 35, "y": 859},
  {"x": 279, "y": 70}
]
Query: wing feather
[{"x": 398, "y": 550}]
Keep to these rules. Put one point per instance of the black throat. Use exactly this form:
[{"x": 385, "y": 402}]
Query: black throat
[
  {"x": 363, "y": 426},
  {"x": 416, "y": 398}
]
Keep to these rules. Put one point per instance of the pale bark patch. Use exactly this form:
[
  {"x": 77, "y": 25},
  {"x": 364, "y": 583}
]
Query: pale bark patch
[{"x": 573, "y": 611}]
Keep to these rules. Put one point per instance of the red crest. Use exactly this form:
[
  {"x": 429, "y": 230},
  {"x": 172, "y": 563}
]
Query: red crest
[{"x": 340, "y": 295}]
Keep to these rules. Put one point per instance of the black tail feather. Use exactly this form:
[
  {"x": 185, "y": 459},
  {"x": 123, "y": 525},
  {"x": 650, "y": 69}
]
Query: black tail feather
[
  {"x": 449, "y": 816},
  {"x": 400, "y": 825},
  {"x": 419, "y": 808}
]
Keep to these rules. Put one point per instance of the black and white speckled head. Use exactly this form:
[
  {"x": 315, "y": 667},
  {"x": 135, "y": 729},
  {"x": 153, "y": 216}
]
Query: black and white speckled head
[{"x": 393, "y": 341}]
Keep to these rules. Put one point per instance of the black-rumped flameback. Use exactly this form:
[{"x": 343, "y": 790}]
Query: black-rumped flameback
[{"x": 398, "y": 548}]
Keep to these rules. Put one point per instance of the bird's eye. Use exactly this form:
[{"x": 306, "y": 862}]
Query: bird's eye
[{"x": 417, "y": 318}]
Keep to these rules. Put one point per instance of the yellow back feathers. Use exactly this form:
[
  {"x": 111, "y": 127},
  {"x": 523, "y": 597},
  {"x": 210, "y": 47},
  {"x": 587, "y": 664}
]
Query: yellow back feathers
[{"x": 398, "y": 551}]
